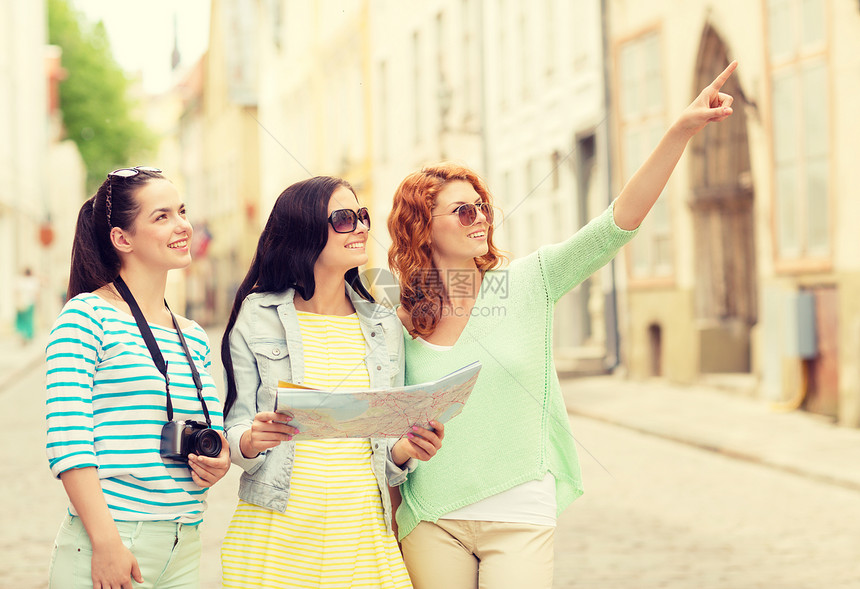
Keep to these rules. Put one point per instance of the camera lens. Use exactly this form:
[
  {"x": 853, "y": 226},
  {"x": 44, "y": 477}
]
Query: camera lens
[{"x": 205, "y": 442}]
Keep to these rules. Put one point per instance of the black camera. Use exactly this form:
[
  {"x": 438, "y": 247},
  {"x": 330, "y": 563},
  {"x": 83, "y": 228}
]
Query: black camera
[{"x": 181, "y": 438}]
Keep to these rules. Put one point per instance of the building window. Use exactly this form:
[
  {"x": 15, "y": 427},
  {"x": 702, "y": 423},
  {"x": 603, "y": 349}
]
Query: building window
[
  {"x": 418, "y": 102},
  {"x": 801, "y": 121},
  {"x": 641, "y": 117}
]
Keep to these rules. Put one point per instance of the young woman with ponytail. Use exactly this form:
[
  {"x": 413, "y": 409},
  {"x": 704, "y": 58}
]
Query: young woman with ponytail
[{"x": 122, "y": 373}]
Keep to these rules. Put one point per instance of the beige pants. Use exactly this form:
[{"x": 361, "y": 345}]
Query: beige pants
[{"x": 463, "y": 554}]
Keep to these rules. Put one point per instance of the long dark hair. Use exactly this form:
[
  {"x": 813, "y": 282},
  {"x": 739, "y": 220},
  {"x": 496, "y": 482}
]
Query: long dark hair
[
  {"x": 95, "y": 262},
  {"x": 291, "y": 242}
]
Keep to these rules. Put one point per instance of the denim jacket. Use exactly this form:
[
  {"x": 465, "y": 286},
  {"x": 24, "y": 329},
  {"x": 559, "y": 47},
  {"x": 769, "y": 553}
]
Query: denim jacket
[{"x": 266, "y": 346}]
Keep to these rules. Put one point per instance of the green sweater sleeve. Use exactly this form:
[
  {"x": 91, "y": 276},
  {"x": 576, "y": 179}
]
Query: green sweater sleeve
[{"x": 564, "y": 265}]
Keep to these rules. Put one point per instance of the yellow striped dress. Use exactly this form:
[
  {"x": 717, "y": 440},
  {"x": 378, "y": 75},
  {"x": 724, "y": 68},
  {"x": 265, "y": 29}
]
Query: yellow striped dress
[{"x": 333, "y": 532}]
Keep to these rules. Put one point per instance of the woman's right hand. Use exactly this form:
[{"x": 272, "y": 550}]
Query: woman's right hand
[
  {"x": 114, "y": 566},
  {"x": 267, "y": 431}
]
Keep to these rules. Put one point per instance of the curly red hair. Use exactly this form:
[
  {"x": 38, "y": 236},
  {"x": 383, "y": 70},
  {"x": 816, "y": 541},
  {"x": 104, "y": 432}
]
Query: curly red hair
[{"x": 410, "y": 258}]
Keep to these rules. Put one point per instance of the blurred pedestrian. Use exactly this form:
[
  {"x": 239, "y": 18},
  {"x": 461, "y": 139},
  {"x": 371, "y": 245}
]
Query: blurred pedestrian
[
  {"x": 133, "y": 415},
  {"x": 483, "y": 512},
  {"x": 26, "y": 295},
  {"x": 313, "y": 513}
]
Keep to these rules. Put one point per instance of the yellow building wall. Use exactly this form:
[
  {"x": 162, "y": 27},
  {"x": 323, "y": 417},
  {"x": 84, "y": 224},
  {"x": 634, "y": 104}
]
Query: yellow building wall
[
  {"x": 672, "y": 311},
  {"x": 849, "y": 349}
]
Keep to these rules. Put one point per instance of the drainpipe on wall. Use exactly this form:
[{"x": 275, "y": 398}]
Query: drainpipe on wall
[{"x": 610, "y": 304}]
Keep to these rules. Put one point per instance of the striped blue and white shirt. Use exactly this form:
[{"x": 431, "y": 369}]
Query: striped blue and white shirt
[{"x": 106, "y": 405}]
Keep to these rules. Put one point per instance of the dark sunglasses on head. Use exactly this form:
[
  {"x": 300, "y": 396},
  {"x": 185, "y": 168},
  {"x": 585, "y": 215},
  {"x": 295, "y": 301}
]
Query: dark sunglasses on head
[
  {"x": 467, "y": 213},
  {"x": 346, "y": 220},
  {"x": 122, "y": 173},
  {"x": 129, "y": 172}
]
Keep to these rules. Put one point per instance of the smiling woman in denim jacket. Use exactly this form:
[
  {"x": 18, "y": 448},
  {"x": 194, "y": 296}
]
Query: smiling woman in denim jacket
[{"x": 313, "y": 513}]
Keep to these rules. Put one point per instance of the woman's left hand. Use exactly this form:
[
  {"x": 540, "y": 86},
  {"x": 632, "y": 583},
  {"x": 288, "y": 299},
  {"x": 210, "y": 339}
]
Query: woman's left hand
[
  {"x": 420, "y": 443},
  {"x": 207, "y": 470},
  {"x": 710, "y": 106}
]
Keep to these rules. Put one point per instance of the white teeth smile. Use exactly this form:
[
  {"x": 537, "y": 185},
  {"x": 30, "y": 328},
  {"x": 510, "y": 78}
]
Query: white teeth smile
[
  {"x": 477, "y": 234},
  {"x": 178, "y": 244},
  {"x": 354, "y": 246}
]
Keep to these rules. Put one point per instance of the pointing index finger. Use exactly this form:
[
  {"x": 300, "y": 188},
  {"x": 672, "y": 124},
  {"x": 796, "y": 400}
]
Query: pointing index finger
[{"x": 721, "y": 79}]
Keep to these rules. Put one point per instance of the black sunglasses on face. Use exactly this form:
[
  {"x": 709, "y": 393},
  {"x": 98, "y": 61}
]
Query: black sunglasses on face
[
  {"x": 346, "y": 220},
  {"x": 467, "y": 213}
]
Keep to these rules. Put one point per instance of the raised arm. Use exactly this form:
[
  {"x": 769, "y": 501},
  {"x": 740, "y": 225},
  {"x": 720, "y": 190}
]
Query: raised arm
[{"x": 641, "y": 191}]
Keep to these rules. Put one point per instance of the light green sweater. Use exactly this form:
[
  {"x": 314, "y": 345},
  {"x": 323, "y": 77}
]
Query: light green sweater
[{"x": 514, "y": 427}]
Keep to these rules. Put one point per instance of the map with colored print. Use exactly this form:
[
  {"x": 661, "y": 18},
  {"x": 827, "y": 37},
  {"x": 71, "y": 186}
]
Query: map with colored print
[{"x": 386, "y": 413}]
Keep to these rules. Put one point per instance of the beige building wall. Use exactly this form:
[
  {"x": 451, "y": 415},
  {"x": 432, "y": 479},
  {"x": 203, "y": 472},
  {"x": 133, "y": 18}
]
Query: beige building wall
[
  {"x": 314, "y": 112},
  {"x": 201, "y": 287},
  {"x": 231, "y": 149},
  {"x": 66, "y": 193},
  {"x": 844, "y": 63},
  {"x": 23, "y": 144},
  {"x": 372, "y": 91},
  {"x": 827, "y": 258},
  {"x": 514, "y": 92},
  {"x": 162, "y": 113},
  {"x": 546, "y": 149},
  {"x": 660, "y": 317},
  {"x": 427, "y": 82},
  {"x": 66, "y": 190}
]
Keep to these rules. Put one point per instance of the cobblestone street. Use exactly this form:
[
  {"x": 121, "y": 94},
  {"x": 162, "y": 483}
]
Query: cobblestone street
[
  {"x": 671, "y": 516},
  {"x": 665, "y": 515}
]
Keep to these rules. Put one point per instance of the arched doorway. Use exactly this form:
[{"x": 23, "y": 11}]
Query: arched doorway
[{"x": 723, "y": 218}]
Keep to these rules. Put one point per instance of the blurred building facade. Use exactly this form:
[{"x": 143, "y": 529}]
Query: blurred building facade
[
  {"x": 314, "y": 112},
  {"x": 749, "y": 264},
  {"x": 230, "y": 174},
  {"x": 370, "y": 91},
  {"x": 23, "y": 145},
  {"x": 546, "y": 134},
  {"x": 201, "y": 286},
  {"x": 428, "y": 81},
  {"x": 743, "y": 274},
  {"x": 162, "y": 113},
  {"x": 66, "y": 192},
  {"x": 41, "y": 174}
]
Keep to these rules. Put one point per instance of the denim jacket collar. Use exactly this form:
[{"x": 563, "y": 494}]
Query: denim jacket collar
[{"x": 367, "y": 311}]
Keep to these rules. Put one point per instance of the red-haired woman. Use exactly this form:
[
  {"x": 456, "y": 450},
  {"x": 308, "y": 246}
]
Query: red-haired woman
[{"x": 483, "y": 511}]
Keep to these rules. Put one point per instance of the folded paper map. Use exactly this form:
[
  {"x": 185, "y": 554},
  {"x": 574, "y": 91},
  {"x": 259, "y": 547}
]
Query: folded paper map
[{"x": 379, "y": 413}]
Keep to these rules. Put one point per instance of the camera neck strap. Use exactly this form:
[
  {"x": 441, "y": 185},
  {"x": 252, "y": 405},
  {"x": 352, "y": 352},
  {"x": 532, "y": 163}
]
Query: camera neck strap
[{"x": 155, "y": 351}]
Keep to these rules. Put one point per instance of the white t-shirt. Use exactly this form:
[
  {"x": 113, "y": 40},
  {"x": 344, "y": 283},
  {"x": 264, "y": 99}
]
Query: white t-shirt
[{"x": 532, "y": 502}]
